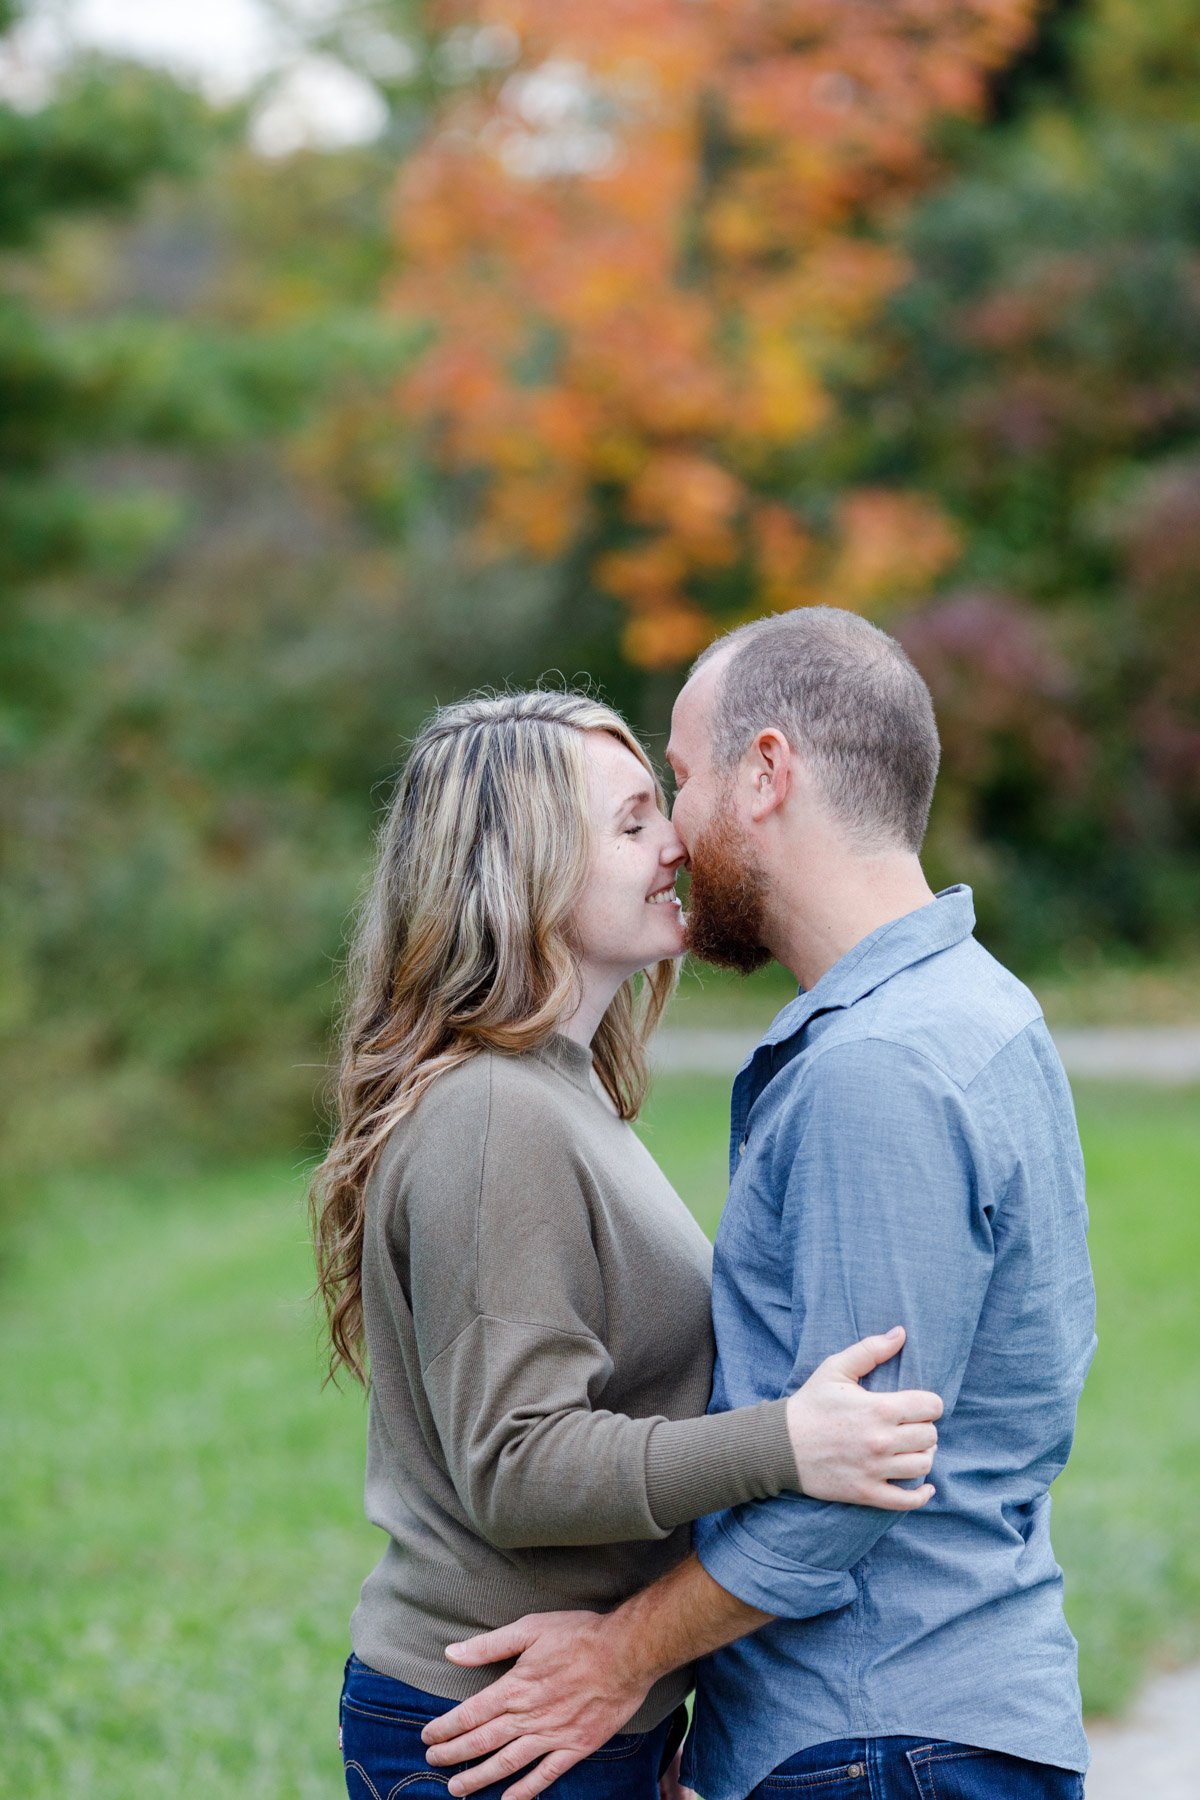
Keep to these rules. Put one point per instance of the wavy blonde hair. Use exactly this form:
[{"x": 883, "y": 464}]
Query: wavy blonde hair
[{"x": 465, "y": 943}]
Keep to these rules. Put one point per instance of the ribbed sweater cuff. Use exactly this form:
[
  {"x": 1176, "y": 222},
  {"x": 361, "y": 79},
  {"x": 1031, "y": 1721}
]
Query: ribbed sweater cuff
[{"x": 698, "y": 1466}]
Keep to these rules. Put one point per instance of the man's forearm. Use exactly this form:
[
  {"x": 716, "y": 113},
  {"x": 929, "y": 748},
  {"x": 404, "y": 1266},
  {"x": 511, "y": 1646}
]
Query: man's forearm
[{"x": 682, "y": 1616}]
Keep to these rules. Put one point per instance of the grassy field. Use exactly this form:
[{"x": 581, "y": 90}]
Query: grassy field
[
  {"x": 181, "y": 1500},
  {"x": 1106, "y": 993}
]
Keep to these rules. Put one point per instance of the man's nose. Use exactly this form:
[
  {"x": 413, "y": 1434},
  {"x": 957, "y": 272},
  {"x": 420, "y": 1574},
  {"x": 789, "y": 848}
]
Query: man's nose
[{"x": 673, "y": 852}]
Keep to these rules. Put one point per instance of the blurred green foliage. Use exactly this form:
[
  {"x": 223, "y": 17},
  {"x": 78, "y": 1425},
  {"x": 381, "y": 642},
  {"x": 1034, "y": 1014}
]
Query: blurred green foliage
[
  {"x": 175, "y": 613},
  {"x": 230, "y": 582},
  {"x": 1041, "y": 373}
]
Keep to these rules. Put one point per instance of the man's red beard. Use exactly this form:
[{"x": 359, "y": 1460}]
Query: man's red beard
[{"x": 727, "y": 900}]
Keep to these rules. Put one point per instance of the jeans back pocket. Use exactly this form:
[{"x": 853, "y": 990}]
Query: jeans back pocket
[{"x": 961, "y": 1772}]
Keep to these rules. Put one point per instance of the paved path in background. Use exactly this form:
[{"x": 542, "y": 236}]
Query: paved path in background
[
  {"x": 1154, "y": 1752},
  {"x": 1162, "y": 1055}
]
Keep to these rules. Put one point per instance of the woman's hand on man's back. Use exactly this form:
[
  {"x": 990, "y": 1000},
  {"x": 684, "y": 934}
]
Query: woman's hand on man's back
[{"x": 853, "y": 1444}]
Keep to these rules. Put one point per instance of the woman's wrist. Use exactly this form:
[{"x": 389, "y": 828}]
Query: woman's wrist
[{"x": 723, "y": 1459}]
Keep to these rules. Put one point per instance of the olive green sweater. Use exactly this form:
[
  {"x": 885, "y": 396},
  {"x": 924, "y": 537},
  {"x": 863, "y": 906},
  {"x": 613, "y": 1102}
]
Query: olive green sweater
[{"x": 537, "y": 1317}]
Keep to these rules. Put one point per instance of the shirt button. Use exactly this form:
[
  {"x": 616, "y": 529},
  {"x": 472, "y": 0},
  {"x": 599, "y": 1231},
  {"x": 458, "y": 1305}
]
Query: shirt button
[
  {"x": 857, "y": 1769},
  {"x": 742, "y": 1148}
]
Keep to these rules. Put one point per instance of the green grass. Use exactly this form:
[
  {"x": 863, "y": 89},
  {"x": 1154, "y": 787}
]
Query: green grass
[
  {"x": 1106, "y": 992},
  {"x": 183, "y": 1498},
  {"x": 182, "y": 1502},
  {"x": 1125, "y": 1510}
]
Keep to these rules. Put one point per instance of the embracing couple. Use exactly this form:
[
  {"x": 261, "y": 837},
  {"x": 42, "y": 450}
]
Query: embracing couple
[{"x": 609, "y": 1464}]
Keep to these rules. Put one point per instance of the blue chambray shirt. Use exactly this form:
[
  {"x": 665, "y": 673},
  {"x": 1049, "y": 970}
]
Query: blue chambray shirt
[{"x": 903, "y": 1151}]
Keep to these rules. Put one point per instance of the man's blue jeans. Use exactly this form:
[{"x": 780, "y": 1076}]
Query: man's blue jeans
[
  {"x": 381, "y": 1725},
  {"x": 907, "y": 1768}
]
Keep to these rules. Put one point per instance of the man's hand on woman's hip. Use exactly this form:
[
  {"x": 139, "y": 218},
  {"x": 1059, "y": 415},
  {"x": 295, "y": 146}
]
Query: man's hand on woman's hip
[
  {"x": 579, "y": 1678},
  {"x": 565, "y": 1697}
]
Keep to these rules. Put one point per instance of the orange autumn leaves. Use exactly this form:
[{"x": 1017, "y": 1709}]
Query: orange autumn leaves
[{"x": 641, "y": 232}]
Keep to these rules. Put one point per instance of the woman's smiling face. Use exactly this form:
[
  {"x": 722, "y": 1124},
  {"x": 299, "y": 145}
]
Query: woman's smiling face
[{"x": 629, "y": 915}]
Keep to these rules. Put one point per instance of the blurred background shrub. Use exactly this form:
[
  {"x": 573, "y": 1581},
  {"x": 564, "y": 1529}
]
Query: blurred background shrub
[{"x": 628, "y": 324}]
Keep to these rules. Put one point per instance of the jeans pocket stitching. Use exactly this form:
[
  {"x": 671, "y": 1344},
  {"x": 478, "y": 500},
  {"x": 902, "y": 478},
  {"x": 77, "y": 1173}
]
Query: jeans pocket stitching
[
  {"x": 818, "y": 1778},
  {"x": 418, "y": 1775},
  {"x": 930, "y": 1759},
  {"x": 605, "y": 1755},
  {"x": 922, "y": 1773},
  {"x": 383, "y": 1712},
  {"x": 352, "y": 1763}
]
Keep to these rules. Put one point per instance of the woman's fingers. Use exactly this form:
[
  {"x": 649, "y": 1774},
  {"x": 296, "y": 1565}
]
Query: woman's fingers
[
  {"x": 858, "y": 1360},
  {"x": 908, "y": 1438},
  {"x": 897, "y": 1499},
  {"x": 848, "y": 1440},
  {"x": 913, "y": 1405},
  {"x": 910, "y": 1468}
]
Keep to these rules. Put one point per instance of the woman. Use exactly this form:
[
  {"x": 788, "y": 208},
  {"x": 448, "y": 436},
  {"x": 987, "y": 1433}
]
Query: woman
[{"x": 493, "y": 1240}]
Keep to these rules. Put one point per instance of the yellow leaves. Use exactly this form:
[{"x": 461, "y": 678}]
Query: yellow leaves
[
  {"x": 694, "y": 501},
  {"x": 616, "y": 456},
  {"x": 667, "y": 637},
  {"x": 783, "y": 399},
  {"x": 841, "y": 284},
  {"x": 891, "y": 545},
  {"x": 666, "y": 628},
  {"x": 645, "y": 575},
  {"x": 562, "y": 425},
  {"x": 783, "y": 557},
  {"x": 639, "y": 238},
  {"x": 735, "y": 229},
  {"x": 539, "y": 514},
  {"x": 692, "y": 506}
]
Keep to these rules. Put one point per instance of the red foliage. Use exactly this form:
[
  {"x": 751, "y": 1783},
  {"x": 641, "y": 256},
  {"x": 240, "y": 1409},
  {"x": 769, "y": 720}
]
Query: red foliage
[
  {"x": 1001, "y": 689},
  {"x": 1162, "y": 546}
]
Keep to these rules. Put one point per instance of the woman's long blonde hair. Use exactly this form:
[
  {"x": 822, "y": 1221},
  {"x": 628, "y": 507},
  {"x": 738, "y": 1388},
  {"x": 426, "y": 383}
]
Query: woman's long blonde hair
[{"x": 464, "y": 943}]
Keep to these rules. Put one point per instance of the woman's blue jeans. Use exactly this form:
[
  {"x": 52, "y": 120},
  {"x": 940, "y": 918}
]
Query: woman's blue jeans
[
  {"x": 381, "y": 1725},
  {"x": 907, "y": 1768}
]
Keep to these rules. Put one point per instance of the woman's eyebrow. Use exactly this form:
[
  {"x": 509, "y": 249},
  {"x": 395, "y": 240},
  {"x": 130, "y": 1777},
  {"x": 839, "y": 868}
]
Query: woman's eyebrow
[{"x": 634, "y": 800}]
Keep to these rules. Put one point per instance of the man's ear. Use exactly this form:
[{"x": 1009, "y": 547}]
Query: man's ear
[{"x": 771, "y": 767}]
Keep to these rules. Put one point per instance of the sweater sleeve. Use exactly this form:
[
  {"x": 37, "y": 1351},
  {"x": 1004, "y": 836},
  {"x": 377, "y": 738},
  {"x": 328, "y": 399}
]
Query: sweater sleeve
[{"x": 502, "y": 1257}]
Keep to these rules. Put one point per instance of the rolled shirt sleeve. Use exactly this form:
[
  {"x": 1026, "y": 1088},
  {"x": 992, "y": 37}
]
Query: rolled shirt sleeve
[{"x": 886, "y": 1214}]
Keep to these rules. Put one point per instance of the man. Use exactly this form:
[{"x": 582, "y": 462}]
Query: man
[{"x": 903, "y": 1146}]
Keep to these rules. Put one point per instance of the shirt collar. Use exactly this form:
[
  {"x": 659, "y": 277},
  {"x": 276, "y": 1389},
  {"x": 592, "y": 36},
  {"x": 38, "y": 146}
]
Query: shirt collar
[{"x": 942, "y": 922}]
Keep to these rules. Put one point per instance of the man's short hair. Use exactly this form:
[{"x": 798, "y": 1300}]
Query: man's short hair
[{"x": 848, "y": 699}]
